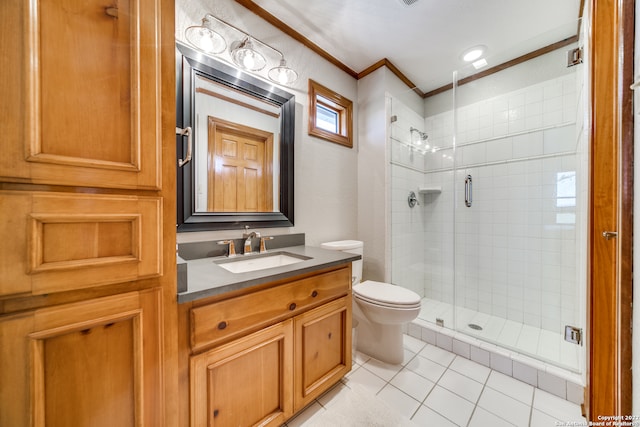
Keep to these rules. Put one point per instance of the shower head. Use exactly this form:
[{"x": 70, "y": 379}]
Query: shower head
[{"x": 423, "y": 135}]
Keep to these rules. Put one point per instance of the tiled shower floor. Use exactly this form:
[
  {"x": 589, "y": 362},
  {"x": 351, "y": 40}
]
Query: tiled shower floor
[
  {"x": 433, "y": 387},
  {"x": 541, "y": 344}
]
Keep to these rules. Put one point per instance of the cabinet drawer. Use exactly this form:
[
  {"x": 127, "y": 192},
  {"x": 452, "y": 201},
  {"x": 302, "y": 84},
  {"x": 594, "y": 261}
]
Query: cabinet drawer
[
  {"x": 62, "y": 241},
  {"x": 221, "y": 321}
]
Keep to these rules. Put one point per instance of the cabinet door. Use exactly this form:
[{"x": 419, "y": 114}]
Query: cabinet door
[
  {"x": 62, "y": 241},
  {"x": 246, "y": 382},
  {"x": 322, "y": 349},
  {"x": 93, "y": 363},
  {"x": 82, "y": 106}
]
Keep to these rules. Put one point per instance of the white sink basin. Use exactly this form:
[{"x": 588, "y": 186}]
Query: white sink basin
[{"x": 260, "y": 262}]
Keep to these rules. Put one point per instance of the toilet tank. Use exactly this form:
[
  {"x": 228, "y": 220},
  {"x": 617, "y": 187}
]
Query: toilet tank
[{"x": 352, "y": 247}]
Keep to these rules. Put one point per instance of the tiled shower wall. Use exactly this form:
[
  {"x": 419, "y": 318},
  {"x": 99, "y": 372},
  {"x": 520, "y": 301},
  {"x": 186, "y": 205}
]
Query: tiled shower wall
[{"x": 516, "y": 250}]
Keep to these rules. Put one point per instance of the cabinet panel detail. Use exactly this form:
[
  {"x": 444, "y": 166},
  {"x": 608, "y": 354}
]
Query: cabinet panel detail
[
  {"x": 95, "y": 362},
  {"x": 247, "y": 313},
  {"x": 105, "y": 239},
  {"x": 323, "y": 349},
  {"x": 77, "y": 241},
  {"x": 246, "y": 382},
  {"x": 92, "y": 90}
]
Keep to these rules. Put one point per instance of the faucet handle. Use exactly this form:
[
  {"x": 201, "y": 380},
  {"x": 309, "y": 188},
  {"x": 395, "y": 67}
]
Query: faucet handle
[
  {"x": 263, "y": 246},
  {"x": 232, "y": 247}
]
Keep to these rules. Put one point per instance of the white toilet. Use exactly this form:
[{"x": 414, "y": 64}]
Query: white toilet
[{"x": 380, "y": 309}]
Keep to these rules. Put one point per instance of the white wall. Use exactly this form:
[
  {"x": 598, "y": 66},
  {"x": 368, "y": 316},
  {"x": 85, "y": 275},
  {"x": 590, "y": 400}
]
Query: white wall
[
  {"x": 374, "y": 173},
  {"x": 326, "y": 189}
]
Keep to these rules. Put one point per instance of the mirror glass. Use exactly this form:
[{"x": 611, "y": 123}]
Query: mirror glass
[{"x": 241, "y": 171}]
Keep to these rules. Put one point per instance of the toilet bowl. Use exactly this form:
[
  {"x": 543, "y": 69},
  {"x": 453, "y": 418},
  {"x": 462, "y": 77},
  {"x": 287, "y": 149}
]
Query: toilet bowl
[{"x": 380, "y": 309}]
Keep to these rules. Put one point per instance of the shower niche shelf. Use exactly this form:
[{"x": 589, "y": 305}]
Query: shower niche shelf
[{"x": 430, "y": 190}]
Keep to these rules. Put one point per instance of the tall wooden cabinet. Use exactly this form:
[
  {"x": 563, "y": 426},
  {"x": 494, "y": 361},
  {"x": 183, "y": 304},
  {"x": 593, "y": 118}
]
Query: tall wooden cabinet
[{"x": 87, "y": 213}]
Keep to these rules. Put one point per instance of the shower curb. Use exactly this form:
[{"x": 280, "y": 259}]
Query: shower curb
[{"x": 557, "y": 381}]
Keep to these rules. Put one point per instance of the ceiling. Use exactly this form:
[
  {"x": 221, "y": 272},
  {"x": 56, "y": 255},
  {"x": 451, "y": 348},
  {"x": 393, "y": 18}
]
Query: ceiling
[{"x": 425, "y": 40}]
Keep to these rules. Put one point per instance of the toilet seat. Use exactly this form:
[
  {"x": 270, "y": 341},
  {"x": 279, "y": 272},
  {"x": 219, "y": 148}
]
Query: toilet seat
[{"x": 386, "y": 295}]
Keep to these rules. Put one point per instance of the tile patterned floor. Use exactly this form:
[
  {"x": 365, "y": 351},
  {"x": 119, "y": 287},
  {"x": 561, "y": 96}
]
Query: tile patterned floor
[
  {"x": 434, "y": 387},
  {"x": 541, "y": 344}
]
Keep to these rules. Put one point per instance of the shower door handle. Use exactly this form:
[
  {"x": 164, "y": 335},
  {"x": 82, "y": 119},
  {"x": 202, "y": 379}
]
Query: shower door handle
[{"x": 468, "y": 191}]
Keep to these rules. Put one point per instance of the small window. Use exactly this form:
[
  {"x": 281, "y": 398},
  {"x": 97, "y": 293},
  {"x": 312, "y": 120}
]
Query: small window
[{"x": 330, "y": 115}]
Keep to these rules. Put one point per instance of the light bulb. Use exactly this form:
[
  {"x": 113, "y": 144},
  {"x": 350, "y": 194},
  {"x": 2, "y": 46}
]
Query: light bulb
[
  {"x": 249, "y": 61},
  {"x": 206, "y": 41}
]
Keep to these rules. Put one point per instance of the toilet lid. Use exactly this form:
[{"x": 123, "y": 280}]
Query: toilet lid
[{"x": 386, "y": 294}]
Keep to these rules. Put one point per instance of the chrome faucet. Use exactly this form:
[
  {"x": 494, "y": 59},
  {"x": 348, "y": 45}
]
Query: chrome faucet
[{"x": 248, "y": 236}]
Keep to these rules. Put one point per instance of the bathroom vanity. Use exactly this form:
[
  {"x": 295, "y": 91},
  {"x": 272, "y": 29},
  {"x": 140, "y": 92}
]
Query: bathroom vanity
[{"x": 258, "y": 346}]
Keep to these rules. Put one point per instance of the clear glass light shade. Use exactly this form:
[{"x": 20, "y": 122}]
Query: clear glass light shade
[
  {"x": 246, "y": 57},
  {"x": 283, "y": 74},
  {"x": 205, "y": 39}
]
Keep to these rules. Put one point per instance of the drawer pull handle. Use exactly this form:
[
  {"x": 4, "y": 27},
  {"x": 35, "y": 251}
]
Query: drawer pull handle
[
  {"x": 314, "y": 294},
  {"x": 292, "y": 306},
  {"x": 222, "y": 325}
]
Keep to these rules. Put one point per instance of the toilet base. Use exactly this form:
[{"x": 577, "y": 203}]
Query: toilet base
[{"x": 382, "y": 342}]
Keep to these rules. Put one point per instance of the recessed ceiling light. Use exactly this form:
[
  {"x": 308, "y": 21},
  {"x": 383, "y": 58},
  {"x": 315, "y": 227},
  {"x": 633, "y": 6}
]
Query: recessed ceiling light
[{"x": 473, "y": 53}]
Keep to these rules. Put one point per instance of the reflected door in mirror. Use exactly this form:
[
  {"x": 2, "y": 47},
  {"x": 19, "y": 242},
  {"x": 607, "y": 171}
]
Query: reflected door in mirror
[{"x": 240, "y": 168}]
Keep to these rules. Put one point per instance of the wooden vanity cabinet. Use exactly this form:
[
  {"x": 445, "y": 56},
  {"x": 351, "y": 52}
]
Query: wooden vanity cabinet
[{"x": 296, "y": 345}]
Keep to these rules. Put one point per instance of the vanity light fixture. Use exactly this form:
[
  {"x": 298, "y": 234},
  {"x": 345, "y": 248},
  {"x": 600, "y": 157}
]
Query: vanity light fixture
[
  {"x": 246, "y": 57},
  {"x": 243, "y": 52}
]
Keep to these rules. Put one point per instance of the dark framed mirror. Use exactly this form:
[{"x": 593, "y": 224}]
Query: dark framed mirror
[{"x": 221, "y": 104}]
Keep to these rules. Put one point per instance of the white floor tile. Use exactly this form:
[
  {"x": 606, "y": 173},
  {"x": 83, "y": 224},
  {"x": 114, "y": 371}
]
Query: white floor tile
[
  {"x": 386, "y": 371},
  {"x": 412, "y": 344},
  {"x": 399, "y": 401},
  {"x": 426, "y": 368},
  {"x": 528, "y": 339},
  {"x": 569, "y": 354},
  {"x": 470, "y": 369},
  {"x": 306, "y": 415},
  {"x": 505, "y": 407},
  {"x": 413, "y": 384},
  {"x": 525, "y": 339},
  {"x": 556, "y": 407},
  {"x": 493, "y": 328},
  {"x": 366, "y": 379},
  {"x": 549, "y": 346},
  {"x": 450, "y": 405},
  {"x": 335, "y": 394},
  {"x": 438, "y": 355},
  {"x": 540, "y": 419},
  {"x": 461, "y": 385},
  {"x": 428, "y": 417},
  {"x": 510, "y": 333},
  {"x": 511, "y": 387},
  {"x": 482, "y": 418},
  {"x": 360, "y": 358}
]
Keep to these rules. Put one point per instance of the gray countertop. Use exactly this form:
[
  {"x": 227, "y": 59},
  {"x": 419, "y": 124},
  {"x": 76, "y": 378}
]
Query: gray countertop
[{"x": 206, "y": 278}]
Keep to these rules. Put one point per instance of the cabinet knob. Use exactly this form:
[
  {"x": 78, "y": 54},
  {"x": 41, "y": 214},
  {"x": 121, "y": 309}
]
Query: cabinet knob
[
  {"x": 314, "y": 294},
  {"x": 292, "y": 306},
  {"x": 222, "y": 325},
  {"x": 215, "y": 413}
]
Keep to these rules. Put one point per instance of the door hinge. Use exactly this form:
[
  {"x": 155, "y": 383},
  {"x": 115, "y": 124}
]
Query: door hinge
[
  {"x": 574, "y": 57},
  {"x": 573, "y": 334}
]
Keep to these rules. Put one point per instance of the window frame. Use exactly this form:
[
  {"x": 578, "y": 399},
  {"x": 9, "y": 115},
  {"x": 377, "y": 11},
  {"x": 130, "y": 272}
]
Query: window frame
[{"x": 343, "y": 107}]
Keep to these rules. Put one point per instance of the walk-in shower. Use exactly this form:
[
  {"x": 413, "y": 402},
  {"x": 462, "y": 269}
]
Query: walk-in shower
[{"x": 496, "y": 243}]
